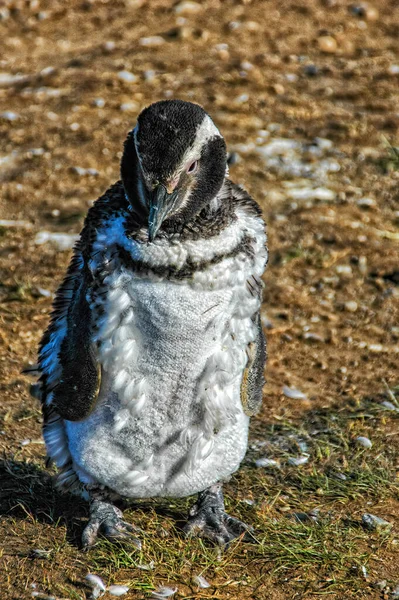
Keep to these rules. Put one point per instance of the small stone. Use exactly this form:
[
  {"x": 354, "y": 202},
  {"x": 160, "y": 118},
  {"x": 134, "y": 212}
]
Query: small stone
[
  {"x": 351, "y": 306},
  {"x": 371, "y": 13},
  {"x": 373, "y": 523},
  {"x": 150, "y": 75},
  {"x": 312, "y": 337},
  {"x": 327, "y": 44},
  {"x": 109, "y": 46},
  {"x": 389, "y": 406},
  {"x": 94, "y": 581},
  {"x": 366, "y": 203},
  {"x": 164, "y": 592},
  {"x": 395, "y": 593},
  {"x": 297, "y": 462},
  {"x": 311, "y": 70},
  {"x": 278, "y": 89},
  {"x": 364, "y": 442},
  {"x": 63, "y": 241},
  {"x": 376, "y": 348},
  {"x": 393, "y": 69},
  {"x": 294, "y": 393},
  {"x": 9, "y": 115},
  {"x": 118, "y": 590},
  {"x": 188, "y": 8},
  {"x": 99, "y": 102},
  {"x": 201, "y": 581},
  {"x": 129, "y": 107},
  {"x": 151, "y": 41},
  {"x": 127, "y": 76},
  {"x": 344, "y": 270},
  {"x": 241, "y": 99},
  {"x": 267, "y": 463}
]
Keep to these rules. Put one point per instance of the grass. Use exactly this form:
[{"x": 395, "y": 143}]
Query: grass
[{"x": 327, "y": 557}]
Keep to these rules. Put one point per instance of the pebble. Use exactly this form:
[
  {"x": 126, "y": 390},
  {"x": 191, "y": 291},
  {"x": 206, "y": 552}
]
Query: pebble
[
  {"x": 312, "y": 337},
  {"x": 311, "y": 70},
  {"x": 129, "y": 107},
  {"x": 297, "y": 462},
  {"x": 9, "y": 115},
  {"x": 308, "y": 193},
  {"x": 152, "y": 41},
  {"x": 373, "y": 523},
  {"x": 393, "y": 69},
  {"x": 118, "y": 590},
  {"x": 201, "y": 581},
  {"x": 81, "y": 171},
  {"x": 267, "y": 463},
  {"x": 395, "y": 592},
  {"x": 127, "y": 76},
  {"x": 7, "y": 79},
  {"x": 95, "y": 581},
  {"x": 278, "y": 89},
  {"x": 344, "y": 270},
  {"x": 376, "y": 348},
  {"x": 366, "y": 203},
  {"x": 109, "y": 46},
  {"x": 327, "y": 44},
  {"x": 389, "y": 405},
  {"x": 63, "y": 241},
  {"x": 363, "y": 441},
  {"x": 164, "y": 592},
  {"x": 15, "y": 223},
  {"x": 188, "y": 8},
  {"x": 99, "y": 102},
  {"x": 351, "y": 306},
  {"x": 294, "y": 393}
]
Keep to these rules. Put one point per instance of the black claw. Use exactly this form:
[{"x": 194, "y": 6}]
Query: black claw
[
  {"x": 106, "y": 520},
  {"x": 209, "y": 520}
]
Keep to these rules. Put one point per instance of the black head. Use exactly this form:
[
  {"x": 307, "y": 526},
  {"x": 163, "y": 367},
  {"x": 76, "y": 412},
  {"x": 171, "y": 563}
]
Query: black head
[{"x": 173, "y": 165}]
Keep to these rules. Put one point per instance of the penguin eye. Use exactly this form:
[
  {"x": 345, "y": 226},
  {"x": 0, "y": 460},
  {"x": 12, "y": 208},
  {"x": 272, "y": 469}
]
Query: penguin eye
[{"x": 193, "y": 167}]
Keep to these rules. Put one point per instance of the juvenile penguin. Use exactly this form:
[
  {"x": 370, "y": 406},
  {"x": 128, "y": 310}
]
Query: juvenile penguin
[{"x": 153, "y": 360}]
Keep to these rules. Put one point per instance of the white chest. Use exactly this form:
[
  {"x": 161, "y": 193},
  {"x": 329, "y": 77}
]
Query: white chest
[{"x": 169, "y": 420}]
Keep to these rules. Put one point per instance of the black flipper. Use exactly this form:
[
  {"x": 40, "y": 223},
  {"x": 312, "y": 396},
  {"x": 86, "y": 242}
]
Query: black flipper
[{"x": 77, "y": 390}]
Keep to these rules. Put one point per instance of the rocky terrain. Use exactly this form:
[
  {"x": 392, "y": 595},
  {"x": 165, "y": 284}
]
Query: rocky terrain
[{"x": 306, "y": 93}]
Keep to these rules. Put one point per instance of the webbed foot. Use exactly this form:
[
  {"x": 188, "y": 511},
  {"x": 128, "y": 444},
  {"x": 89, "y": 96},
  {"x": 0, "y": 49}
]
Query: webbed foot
[
  {"x": 106, "y": 520},
  {"x": 208, "y": 519}
]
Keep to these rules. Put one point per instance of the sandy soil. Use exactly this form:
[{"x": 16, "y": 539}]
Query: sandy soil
[{"x": 306, "y": 94}]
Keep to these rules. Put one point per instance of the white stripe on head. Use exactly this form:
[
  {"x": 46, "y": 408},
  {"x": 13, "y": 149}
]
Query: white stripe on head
[{"x": 206, "y": 130}]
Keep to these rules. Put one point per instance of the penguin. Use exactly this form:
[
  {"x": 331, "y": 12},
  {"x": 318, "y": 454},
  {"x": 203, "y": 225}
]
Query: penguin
[{"x": 153, "y": 361}]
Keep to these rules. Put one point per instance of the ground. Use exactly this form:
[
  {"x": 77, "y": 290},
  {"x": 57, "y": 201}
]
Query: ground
[{"x": 306, "y": 94}]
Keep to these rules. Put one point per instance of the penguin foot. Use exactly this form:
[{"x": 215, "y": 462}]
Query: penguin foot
[
  {"x": 106, "y": 520},
  {"x": 209, "y": 520}
]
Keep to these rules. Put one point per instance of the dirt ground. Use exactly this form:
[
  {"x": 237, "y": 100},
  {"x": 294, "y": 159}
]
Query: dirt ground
[{"x": 307, "y": 96}]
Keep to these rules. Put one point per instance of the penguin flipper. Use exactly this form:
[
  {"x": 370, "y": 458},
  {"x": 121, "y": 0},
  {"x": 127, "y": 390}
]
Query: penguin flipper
[
  {"x": 253, "y": 376},
  {"x": 67, "y": 360}
]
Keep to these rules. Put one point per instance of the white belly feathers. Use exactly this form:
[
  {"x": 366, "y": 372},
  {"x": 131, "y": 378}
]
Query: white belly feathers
[{"x": 169, "y": 420}]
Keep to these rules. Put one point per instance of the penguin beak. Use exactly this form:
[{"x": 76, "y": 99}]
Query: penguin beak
[{"x": 161, "y": 204}]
